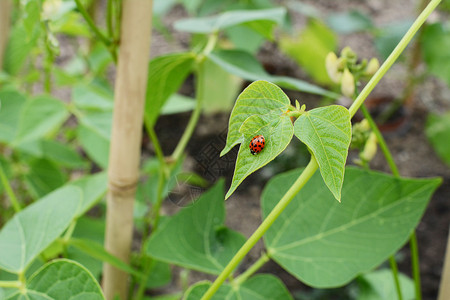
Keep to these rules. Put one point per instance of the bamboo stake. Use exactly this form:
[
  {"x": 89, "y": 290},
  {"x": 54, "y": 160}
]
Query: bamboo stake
[
  {"x": 444, "y": 287},
  {"x": 126, "y": 137},
  {"x": 5, "y": 11}
]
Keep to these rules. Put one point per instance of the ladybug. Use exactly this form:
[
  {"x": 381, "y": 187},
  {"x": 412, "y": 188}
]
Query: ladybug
[{"x": 257, "y": 144}]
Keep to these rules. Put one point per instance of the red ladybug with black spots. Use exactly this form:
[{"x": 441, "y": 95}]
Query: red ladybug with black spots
[{"x": 257, "y": 144}]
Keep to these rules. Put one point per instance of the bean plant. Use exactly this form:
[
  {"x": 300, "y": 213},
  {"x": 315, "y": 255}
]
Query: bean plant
[{"x": 326, "y": 228}]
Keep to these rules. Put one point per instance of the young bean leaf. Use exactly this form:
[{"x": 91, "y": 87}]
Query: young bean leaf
[{"x": 327, "y": 133}]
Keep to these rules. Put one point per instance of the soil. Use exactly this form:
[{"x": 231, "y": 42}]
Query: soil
[{"x": 408, "y": 143}]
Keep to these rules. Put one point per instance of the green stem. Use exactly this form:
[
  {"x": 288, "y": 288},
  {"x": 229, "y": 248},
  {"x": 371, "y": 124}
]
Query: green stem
[
  {"x": 195, "y": 114},
  {"x": 156, "y": 144},
  {"x": 9, "y": 190},
  {"x": 109, "y": 17},
  {"x": 381, "y": 141},
  {"x": 159, "y": 200},
  {"x": 393, "y": 56},
  {"x": 91, "y": 23},
  {"x": 265, "y": 225},
  {"x": 394, "y": 269},
  {"x": 252, "y": 269},
  {"x": 415, "y": 265}
]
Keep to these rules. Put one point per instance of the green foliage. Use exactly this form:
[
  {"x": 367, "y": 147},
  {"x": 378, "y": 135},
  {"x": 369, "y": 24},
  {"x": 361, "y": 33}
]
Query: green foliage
[
  {"x": 12, "y": 103},
  {"x": 166, "y": 74},
  {"x": 61, "y": 279},
  {"x": 196, "y": 238},
  {"x": 310, "y": 49},
  {"x": 349, "y": 22},
  {"x": 435, "y": 38},
  {"x": 378, "y": 285},
  {"x": 33, "y": 229},
  {"x": 261, "y": 21},
  {"x": 438, "y": 133},
  {"x": 327, "y": 132},
  {"x": 325, "y": 243},
  {"x": 259, "y": 287},
  {"x": 387, "y": 37},
  {"x": 43, "y": 177}
]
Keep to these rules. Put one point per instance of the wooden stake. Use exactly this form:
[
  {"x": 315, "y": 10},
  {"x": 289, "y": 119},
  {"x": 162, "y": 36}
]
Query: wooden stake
[
  {"x": 444, "y": 287},
  {"x": 123, "y": 172},
  {"x": 5, "y": 12}
]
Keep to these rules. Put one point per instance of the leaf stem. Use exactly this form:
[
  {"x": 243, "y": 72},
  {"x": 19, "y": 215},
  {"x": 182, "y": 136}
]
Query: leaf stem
[
  {"x": 393, "y": 56},
  {"x": 307, "y": 173},
  {"x": 415, "y": 265},
  {"x": 91, "y": 23},
  {"x": 12, "y": 197},
  {"x": 10, "y": 284},
  {"x": 252, "y": 269},
  {"x": 195, "y": 114}
]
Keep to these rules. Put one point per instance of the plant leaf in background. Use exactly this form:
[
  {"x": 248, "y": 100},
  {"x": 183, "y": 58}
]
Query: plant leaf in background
[
  {"x": 259, "y": 98},
  {"x": 44, "y": 176},
  {"x": 177, "y": 104},
  {"x": 349, "y": 22},
  {"x": 258, "y": 287},
  {"x": 92, "y": 187},
  {"x": 378, "y": 285},
  {"x": 437, "y": 130},
  {"x": 34, "y": 228},
  {"x": 92, "y": 97},
  {"x": 435, "y": 38},
  {"x": 12, "y": 103},
  {"x": 327, "y": 132},
  {"x": 61, "y": 279},
  {"x": 310, "y": 48},
  {"x": 325, "y": 243},
  {"x": 244, "y": 65},
  {"x": 166, "y": 74},
  {"x": 196, "y": 238},
  {"x": 62, "y": 154},
  {"x": 38, "y": 117},
  {"x": 231, "y": 18},
  {"x": 388, "y": 36}
]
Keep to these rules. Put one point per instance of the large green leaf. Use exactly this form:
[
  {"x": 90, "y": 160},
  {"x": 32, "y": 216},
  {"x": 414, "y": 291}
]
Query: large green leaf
[
  {"x": 61, "y": 279},
  {"x": 33, "y": 229},
  {"x": 258, "y": 287},
  {"x": 231, "y": 18},
  {"x": 244, "y": 65},
  {"x": 325, "y": 243},
  {"x": 349, "y": 22},
  {"x": 92, "y": 97},
  {"x": 259, "y": 98},
  {"x": 327, "y": 132},
  {"x": 438, "y": 132},
  {"x": 166, "y": 74},
  {"x": 62, "y": 154},
  {"x": 196, "y": 238},
  {"x": 11, "y": 102},
  {"x": 40, "y": 116}
]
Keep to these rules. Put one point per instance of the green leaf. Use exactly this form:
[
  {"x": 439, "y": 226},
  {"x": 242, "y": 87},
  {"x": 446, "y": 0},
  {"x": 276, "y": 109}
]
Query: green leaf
[
  {"x": 177, "y": 104},
  {"x": 437, "y": 130},
  {"x": 61, "y": 279},
  {"x": 258, "y": 287},
  {"x": 325, "y": 243},
  {"x": 11, "y": 102},
  {"x": 40, "y": 116},
  {"x": 277, "y": 131},
  {"x": 31, "y": 17},
  {"x": 230, "y": 18},
  {"x": 72, "y": 23},
  {"x": 349, "y": 22},
  {"x": 62, "y": 154},
  {"x": 259, "y": 98},
  {"x": 160, "y": 274},
  {"x": 327, "y": 132},
  {"x": 379, "y": 285},
  {"x": 310, "y": 49},
  {"x": 435, "y": 38},
  {"x": 244, "y": 65},
  {"x": 33, "y": 229},
  {"x": 244, "y": 38},
  {"x": 166, "y": 74},
  {"x": 387, "y": 38},
  {"x": 92, "y": 97},
  {"x": 97, "y": 251},
  {"x": 93, "y": 187},
  {"x": 196, "y": 238},
  {"x": 44, "y": 176}
]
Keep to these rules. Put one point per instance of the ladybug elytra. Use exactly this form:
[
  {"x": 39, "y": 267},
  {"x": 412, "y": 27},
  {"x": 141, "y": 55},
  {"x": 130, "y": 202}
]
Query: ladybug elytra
[{"x": 257, "y": 144}]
